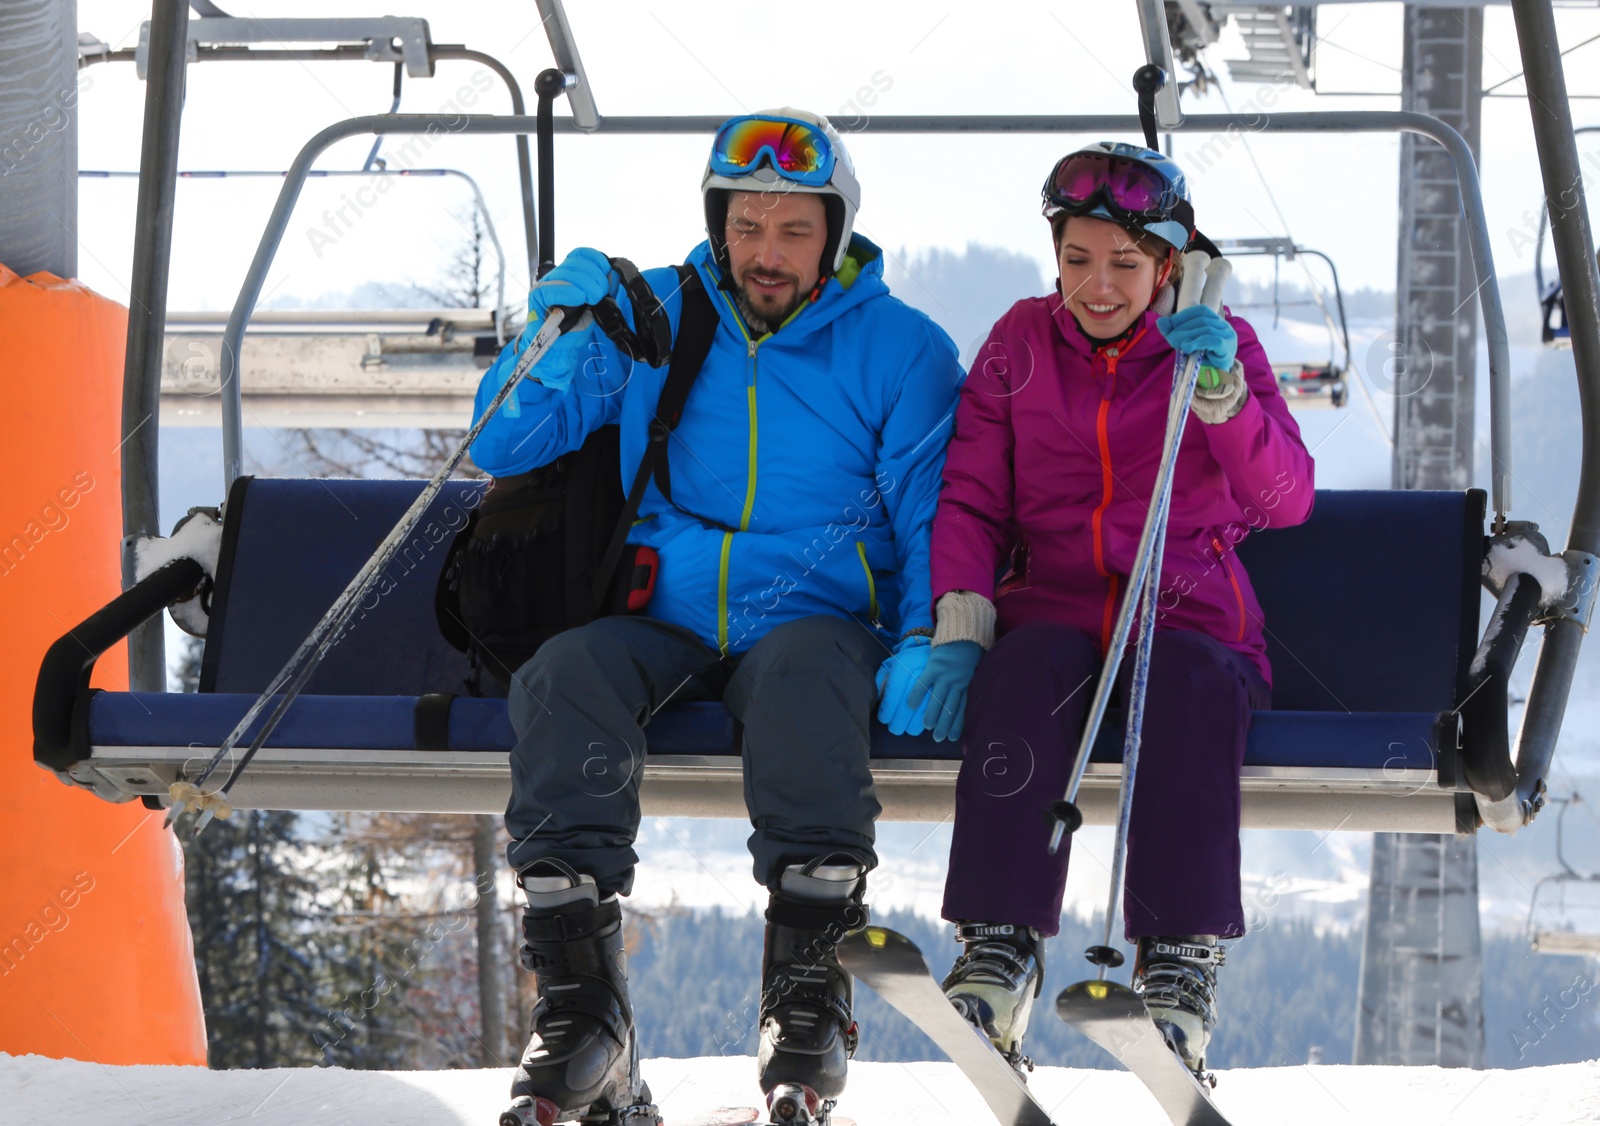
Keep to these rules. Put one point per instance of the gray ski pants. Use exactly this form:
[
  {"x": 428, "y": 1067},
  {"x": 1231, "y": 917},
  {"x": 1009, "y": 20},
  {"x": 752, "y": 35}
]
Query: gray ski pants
[{"x": 804, "y": 694}]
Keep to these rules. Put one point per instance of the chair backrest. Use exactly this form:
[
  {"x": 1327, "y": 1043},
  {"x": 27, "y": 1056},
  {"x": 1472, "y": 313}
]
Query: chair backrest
[
  {"x": 1371, "y": 605},
  {"x": 289, "y": 548}
]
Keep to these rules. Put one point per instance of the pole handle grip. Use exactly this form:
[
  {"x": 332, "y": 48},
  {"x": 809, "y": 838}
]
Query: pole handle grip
[
  {"x": 1194, "y": 276},
  {"x": 1217, "y": 273}
]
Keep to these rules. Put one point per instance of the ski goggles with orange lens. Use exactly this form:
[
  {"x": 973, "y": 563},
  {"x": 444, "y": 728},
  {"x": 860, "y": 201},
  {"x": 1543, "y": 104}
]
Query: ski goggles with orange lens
[{"x": 796, "y": 150}]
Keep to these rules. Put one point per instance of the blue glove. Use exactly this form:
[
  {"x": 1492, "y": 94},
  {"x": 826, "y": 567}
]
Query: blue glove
[
  {"x": 949, "y": 671},
  {"x": 585, "y": 277},
  {"x": 895, "y": 677},
  {"x": 555, "y": 368},
  {"x": 1201, "y": 331}
]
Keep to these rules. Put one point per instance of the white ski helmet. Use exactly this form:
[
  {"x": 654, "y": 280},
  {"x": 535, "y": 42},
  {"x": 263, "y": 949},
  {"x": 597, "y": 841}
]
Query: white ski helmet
[{"x": 841, "y": 194}]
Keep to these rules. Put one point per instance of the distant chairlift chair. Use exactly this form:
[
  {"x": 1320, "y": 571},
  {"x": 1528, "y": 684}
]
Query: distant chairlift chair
[
  {"x": 1305, "y": 384},
  {"x": 1564, "y": 910}
]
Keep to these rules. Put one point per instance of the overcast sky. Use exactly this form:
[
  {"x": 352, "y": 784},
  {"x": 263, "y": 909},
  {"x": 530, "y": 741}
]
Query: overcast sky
[{"x": 639, "y": 197}]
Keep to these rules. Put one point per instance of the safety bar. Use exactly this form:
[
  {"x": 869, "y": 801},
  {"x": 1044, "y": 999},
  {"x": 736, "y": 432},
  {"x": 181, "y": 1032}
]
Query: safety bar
[
  {"x": 436, "y": 53},
  {"x": 339, "y": 173},
  {"x": 69, "y": 662},
  {"x": 1338, "y": 121}
]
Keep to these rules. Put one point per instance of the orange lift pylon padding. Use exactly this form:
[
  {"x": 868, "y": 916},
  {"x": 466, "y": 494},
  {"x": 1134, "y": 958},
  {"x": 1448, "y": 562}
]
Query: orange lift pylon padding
[{"x": 96, "y": 960}]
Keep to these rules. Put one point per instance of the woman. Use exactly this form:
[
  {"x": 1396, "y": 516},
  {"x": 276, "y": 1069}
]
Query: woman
[{"x": 1047, "y": 484}]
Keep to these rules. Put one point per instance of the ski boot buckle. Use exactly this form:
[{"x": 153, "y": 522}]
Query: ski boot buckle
[
  {"x": 527, "y": 1110},
  {"x": 533, "y": 1111},
  {"x": 639, "y": 1114},
  {"x": 794, "y": 1104}
]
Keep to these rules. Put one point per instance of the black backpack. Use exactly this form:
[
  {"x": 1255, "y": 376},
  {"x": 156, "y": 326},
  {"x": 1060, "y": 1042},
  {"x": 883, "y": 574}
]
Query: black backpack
[{"x": 547, "y": 550}]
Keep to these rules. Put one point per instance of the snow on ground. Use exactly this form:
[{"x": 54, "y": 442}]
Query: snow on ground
[{"x": 43, "y": 1092}]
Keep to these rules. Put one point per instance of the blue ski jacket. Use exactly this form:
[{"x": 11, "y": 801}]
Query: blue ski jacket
[{"x": 818, "y": 447}]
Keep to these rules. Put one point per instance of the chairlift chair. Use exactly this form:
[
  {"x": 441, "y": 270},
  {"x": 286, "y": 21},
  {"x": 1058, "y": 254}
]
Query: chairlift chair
[
  {"x": 1553, "y": 328},
  {"x": 1309, "y": 383},
  {"x": 1564, "y": 909},
  {"x": 1388, "y": 714}
]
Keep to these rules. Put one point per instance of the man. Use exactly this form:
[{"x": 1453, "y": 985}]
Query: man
[{"x": 793, "y": 561}]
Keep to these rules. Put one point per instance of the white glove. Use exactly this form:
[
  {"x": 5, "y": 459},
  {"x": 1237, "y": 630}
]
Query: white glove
[{"x": 1219, "y": 395}]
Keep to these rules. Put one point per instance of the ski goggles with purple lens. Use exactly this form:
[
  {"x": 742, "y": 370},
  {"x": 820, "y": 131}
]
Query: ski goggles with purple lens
[
  {"x": 797, "y": 150},
  {"x": 1130, "y": 190}
]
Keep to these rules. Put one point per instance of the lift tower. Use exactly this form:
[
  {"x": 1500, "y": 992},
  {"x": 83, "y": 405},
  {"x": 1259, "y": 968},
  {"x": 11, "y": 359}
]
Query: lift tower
[{"x": 1421, "y": 994}]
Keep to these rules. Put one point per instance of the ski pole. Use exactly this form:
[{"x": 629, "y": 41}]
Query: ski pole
[
  {"x": 1185, "y": 372},
  {"x": 330, "y": 628},
  {"x": 1196, "y": 264}
]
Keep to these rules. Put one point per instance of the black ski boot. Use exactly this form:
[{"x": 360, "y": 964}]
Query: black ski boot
[
  {"x": 1177, "y": 976},
  {"x": 583, "y": 1059},
  {"x": 995, "y": 981},
  {"x": 807, "y": 1031}
]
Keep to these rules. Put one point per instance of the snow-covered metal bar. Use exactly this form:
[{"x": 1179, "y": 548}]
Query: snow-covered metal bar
[
  {"x": 147, "y": 315},
  {"x": 1574, "y": 246}
]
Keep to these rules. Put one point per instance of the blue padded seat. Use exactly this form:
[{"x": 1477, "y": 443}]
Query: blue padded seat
[
  {"x": 1377, "y": 740},
  {"x": 1371, "y": 617}
]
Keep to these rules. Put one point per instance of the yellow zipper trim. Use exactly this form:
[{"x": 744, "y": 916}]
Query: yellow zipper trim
[
  {"x": 872, "y": 587},
  {"x": 750, "y": 488},
  {"x": 722, "y": 594}
]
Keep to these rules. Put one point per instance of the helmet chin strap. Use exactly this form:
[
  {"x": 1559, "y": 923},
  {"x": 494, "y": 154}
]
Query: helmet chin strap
[{"x": 1165, "y": 274}]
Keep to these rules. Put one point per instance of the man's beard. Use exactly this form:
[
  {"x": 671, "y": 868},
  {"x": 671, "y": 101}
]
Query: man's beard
[{"x": 755, "y": 316}]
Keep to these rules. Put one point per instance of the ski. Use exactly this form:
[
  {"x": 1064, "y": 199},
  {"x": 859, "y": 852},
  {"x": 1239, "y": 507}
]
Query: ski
[
  {"x": 1114, "y": 1017},
  {"x": 738, "y": 1116},
  {"x": 896, "y": 970}
]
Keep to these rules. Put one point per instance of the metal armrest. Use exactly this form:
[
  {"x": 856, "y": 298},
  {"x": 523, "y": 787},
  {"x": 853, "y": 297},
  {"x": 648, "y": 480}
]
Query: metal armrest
[
  {"x": 1486, "y": 762},
  {"x": 69, "y": 662}
]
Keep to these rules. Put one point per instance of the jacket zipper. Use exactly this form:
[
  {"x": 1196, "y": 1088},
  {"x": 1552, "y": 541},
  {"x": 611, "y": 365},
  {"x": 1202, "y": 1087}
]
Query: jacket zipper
[
  {"x": 1110, "y": 356},
  {"x": 750, "y": 487},
  {"x": 1238, "y": 595},
  {"x": 1107, "y": 479}
]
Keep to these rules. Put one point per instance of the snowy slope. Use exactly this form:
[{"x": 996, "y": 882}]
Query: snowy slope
[{"x": 40, "y": 1092}]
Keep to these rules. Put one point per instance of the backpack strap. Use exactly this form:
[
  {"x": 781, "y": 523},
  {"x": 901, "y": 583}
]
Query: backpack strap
[
  {"x": 697, "y": 327},
  {"x": 652, "y": 343}
]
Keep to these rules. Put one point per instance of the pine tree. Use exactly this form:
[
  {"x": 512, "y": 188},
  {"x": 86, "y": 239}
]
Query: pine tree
[{"x": 248, "y": 910}]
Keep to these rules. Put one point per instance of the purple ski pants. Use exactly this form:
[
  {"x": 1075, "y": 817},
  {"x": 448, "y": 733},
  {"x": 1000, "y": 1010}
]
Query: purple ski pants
[{"x": 1025, "y": 713}]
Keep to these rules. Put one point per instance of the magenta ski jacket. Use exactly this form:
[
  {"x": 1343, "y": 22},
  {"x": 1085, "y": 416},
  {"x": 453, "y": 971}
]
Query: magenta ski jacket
[{"x": 1048, "y": 479}]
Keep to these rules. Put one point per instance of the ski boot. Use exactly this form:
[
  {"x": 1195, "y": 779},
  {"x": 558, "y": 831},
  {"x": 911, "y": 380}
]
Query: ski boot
[
  {"x": 995, "y": 981},
  {"x": 583, "y": 1060},
  {"x": 807, "y": 1032},
  {"x": 1177, "y": 976}
]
